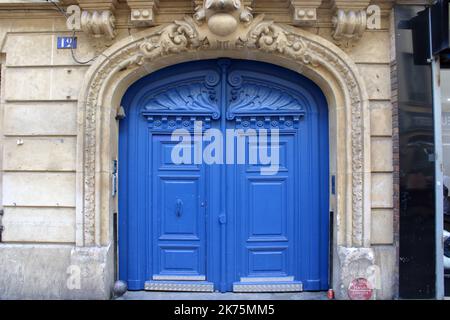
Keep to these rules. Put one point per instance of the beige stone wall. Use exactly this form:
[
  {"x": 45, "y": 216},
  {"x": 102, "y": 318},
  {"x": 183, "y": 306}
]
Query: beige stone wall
[
  {"x": 372, "y": 54},
  {"x": 39, "y": 94},
  {"x": 40, "y": 90}
]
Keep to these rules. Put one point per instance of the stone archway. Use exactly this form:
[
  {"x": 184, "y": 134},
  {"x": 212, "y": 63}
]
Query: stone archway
[{"x": 255, "y": 39}]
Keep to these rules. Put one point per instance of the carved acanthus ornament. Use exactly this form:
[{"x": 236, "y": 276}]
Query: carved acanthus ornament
[{"x": 261, "y": 34}]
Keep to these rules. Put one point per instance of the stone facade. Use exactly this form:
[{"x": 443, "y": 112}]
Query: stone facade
[{"x": 58, "y": 133}]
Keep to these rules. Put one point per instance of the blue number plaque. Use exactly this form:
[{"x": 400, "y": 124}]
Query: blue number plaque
[{"x": 67, "y": 42}]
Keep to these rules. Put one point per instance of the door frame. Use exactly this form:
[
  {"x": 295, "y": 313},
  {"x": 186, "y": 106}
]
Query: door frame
[
  {"x": 324, "y": 63},
  {"x": 225, "y": 234}
]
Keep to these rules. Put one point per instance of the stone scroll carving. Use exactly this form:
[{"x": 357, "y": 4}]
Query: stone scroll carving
[
  {"x": 349, "y": 25},
  {"x": 349, "y": 21},
  {"x": 194, "y": 34},
  {"x": 98, "y": 23}
]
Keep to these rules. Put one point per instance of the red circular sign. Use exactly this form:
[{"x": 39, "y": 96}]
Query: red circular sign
[{"x": 360, "y": 289}]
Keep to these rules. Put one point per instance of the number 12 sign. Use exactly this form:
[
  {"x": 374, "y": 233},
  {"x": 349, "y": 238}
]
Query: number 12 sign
[{"x": 67, "y": 42}]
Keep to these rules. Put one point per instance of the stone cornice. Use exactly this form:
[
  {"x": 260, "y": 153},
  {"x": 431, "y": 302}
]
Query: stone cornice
[
  {"x": 24, "y": 4},
  {"x": 349, "y": 16},
  {"x": 98, "y": 5},
  {"x": 350, "y": 4}
]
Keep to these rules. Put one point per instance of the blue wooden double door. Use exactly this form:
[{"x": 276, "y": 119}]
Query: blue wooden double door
[{"x": 223, "y": 180}]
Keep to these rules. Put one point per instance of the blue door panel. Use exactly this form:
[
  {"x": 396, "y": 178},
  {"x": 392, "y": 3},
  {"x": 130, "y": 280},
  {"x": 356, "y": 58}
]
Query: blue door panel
[
  {"x": 179, "y": 260},
  {"x": 178, "y": 196},
  {"x": 270, "y": 261},
  {"x": 177, "y": 208},
  {"x": 266, "y": 216},
  {"x": 224, "y": 223},
  {"x": 267, "y": 209}
]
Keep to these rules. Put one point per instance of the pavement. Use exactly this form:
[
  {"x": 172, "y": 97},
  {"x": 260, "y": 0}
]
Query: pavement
[{"x": 146, "y": 295}]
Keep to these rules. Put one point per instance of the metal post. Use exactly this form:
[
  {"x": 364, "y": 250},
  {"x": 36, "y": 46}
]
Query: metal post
[
  {"x": 437, "y": 112},
  {"x": 439, "y": 179}
]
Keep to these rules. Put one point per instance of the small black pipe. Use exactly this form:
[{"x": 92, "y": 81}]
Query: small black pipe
[
  {"x": 1, "y": 225},
  {"x": 330, "y": 262},
  {"x": 116, "y": 243}
]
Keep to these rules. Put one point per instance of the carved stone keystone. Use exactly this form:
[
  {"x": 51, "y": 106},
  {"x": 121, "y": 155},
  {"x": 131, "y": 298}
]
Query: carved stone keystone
[{"x": 223, "y": 16}]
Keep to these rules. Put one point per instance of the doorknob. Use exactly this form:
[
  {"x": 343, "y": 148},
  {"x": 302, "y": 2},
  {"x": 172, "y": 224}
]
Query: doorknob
[{"x": 179, "y": 208}]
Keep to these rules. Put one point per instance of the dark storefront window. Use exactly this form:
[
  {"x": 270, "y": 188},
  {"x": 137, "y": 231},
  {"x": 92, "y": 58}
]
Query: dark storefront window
[{"x": 417, "y": 276}]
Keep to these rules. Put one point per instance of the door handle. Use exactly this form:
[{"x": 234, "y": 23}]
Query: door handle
[{"x": 179, "y": 208}]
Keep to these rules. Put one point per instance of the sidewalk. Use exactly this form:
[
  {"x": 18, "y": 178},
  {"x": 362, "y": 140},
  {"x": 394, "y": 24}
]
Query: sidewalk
[{"x": 143, "y": 295}]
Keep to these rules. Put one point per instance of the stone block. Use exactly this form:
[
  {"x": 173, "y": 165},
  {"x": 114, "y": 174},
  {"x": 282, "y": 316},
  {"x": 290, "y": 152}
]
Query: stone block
[
  {"x": 39, "y": 154},
  {"x": 377, "y": 78},
  {"x": 74, "y": 273},
  {"x": 46, "y": 83},
  {"x": 29, "y": 49},
  {"x": 26, "y": 271},
  {"x": 382, "y": 190},
  {"x": 382, "y": 154},
  {"x": 386, "y": 257},
  {"x": 53, "y": 225},
  {"x": 382, "y": 226},
  {"x": 39, "y": 189},
  {"x": 374, "y": 47},
  {"x": 380, "y": 118},
  {"x": 40, "y": 118},
  {"x": 95, "y": 265},
  {"x": 354, "y": 263}
]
